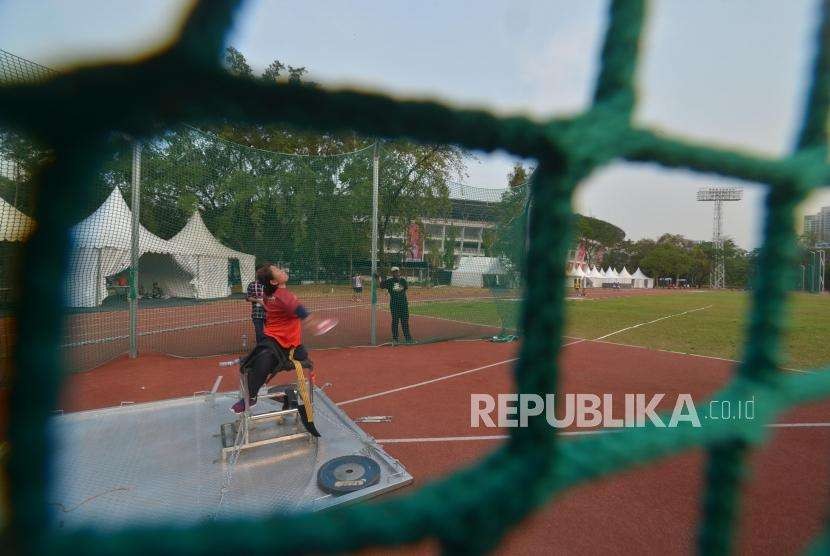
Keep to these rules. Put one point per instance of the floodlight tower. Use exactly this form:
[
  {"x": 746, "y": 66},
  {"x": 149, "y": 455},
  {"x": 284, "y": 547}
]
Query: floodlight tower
[{"x": 718, "y": 195}]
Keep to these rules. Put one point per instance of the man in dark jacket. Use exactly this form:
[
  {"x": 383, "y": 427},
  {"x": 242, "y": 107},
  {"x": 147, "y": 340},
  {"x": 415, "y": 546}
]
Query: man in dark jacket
[{"x": 398, "y": 304}]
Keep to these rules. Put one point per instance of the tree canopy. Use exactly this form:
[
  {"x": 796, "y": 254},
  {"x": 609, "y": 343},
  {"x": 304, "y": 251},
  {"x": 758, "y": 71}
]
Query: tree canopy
[{"x": 674, "y": 256}]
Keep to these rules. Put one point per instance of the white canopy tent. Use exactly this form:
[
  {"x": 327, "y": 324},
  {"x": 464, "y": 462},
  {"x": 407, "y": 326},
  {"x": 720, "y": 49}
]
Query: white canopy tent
[
  {"x": 101, "y": 248},
  {"x": 640, "y": 280},
  {"x": 471, "y": 270},
  {"x": 14, "y": 225},
  {"x": 596, "y": 277},
  {"x": 199, "y": 252},
  {"x": 625, "y": 277},
  {"x": 611, "y": 275}
]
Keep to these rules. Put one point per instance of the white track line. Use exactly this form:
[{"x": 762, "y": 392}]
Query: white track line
[
  {"x": 798, "y": 425},
  {"x": 702, "y": 356},
  {"x": 488, "y": 366},
  {"x": 627, "y": 328},
  {"x": 439, "y": 379},
  {"x": 431, "y": 381},
  {"x": 513, "y": 359},
  {"x": 473, "y": 438},
  {"x": 481, "y": 437}
]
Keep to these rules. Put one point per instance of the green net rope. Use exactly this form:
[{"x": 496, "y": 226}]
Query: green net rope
[{"x": 470, "y": 510}]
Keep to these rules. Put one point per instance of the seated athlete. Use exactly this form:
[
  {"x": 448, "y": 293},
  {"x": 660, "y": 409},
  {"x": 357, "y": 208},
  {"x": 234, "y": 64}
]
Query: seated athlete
[{"x": 284, "y": 317}]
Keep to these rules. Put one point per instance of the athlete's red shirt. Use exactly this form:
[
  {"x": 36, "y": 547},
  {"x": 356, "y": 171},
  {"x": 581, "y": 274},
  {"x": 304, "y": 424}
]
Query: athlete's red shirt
[{"x": 281, "y": 320}]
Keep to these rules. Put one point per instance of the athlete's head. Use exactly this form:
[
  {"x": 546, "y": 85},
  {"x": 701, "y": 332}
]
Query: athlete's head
[{"x": 279, "y": 275}]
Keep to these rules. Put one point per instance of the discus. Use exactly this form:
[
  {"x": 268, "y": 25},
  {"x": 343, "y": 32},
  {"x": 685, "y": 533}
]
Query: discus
[{"x": 324, "y": 326}]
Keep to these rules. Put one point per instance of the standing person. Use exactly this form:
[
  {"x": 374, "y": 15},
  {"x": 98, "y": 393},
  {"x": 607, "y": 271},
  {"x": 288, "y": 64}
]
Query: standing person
[
  {"x": 357, "y": 287},
  {"x": 398, "y": 304},
  {"x": 254, "y": 296},
  {"x": 283, "y": 333}
]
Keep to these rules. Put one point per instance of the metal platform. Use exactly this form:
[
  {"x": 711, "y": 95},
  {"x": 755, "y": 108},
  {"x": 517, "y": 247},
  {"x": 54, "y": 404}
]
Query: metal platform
[{"x": 162, "y": 463}]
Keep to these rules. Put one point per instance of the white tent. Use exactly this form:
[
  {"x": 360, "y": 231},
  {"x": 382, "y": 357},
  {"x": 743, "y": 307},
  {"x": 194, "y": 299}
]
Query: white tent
[
  {"x": 14, "y": 225},
  {"x": 574, "y": 272},
  {"x": 625, "y": 277},
  {"x": 471, "y": 271},
  {"x": 640, "y": 280},
  {"x": 101, "y": 248},
  {"x": 199, "y": 252},
  {"x": 596, "y": 277},
  {"x": 612, "y": 276}
]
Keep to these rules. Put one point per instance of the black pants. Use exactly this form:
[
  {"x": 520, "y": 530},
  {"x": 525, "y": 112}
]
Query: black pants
[
  {"x": 267, "y": 359},
  {"x": 259, "y": 328},
  {"x": 400, "y": 313}
]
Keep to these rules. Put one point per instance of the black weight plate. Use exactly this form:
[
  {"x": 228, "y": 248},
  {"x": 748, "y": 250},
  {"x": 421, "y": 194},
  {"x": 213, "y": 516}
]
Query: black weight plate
[{"x": 348, "y": 474}]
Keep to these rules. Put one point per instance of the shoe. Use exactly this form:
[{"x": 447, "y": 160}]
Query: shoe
[
  {"x": 239, "y": 407},
  {"x": 395, "y": 341},
  {"x": 410, "y": 342}
]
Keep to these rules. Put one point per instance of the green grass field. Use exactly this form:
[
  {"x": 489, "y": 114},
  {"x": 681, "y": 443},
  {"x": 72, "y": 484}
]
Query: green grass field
[{"x": 717, "y": 330}]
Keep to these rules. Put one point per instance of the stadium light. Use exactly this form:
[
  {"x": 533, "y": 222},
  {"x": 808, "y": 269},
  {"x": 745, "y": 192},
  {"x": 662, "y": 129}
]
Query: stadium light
[{"x": 718, "y": 195}]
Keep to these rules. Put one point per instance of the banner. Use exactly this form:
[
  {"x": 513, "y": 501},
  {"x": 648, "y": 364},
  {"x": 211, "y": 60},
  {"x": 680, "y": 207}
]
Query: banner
[{"x": 415, "y": 243}]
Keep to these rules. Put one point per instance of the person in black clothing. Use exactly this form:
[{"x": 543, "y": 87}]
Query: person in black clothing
[
  {"x": 398, "y": 304},
  {"x": 254, "y": 296}
]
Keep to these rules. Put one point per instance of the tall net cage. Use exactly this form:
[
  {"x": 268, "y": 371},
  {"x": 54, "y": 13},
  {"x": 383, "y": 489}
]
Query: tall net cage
[
  {"x": 210, "y": 210},
  {"x": 19, "y": 157},
  {"x": 811, "y": 271}
]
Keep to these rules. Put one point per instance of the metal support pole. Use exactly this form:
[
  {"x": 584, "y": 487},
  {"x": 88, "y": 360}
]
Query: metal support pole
[
  {"x": 134, "y": 254},
  {"x": 374, "y": 254}
]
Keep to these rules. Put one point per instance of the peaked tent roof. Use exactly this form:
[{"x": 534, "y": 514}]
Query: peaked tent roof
[
  {"x": 595, "y": 273},
  {"x": 624, "y": 274},
  {"x": 638, "y": 274},
  {"x": 14, "y": 225},
  {"x": 110, "y": 226},
  {"x": 196, "y": 239}
]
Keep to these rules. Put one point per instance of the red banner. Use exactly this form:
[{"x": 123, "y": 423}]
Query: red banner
[{"x": 415, "y": 243}]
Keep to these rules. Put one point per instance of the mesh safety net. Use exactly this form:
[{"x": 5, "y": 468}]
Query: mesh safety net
[
  {"x": 75, "y": 115},
  {"x": 210, "y": 211}
]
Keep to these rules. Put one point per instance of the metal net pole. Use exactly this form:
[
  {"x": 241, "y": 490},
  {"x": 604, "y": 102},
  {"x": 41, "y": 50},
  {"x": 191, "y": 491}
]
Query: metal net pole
[
  {"x": 134, "y": 247},
  {"x": 375, "y": 180}
]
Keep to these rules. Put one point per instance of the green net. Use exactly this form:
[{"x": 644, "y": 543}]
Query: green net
[{"x": 472, "y": 509}]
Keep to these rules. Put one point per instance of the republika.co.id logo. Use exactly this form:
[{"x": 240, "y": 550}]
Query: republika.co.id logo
[{"x": 592, "y": 410}]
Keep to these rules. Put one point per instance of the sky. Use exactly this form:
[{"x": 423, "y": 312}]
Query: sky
[{"x": 728, "y": 72}]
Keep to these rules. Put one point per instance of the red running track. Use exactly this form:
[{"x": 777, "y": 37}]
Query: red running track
[{"x": 651, "y": 510}]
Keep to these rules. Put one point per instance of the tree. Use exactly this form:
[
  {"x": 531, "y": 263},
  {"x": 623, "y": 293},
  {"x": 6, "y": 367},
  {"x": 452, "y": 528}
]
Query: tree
[
  {"x": 518, "y": 175},
  {"x": 597, "y": 235},
  {"x": 273, "y": 71},
  {"x": 510, "y": 237},
  {"x": 236, "y": 63},
  {"x": 701, "y": 263},
  {"x": 433, "y": 256},
  {"x": 618, "y": 256},
  {"x": 311, "y": 212},
  {"x": 449, "y": 247}
]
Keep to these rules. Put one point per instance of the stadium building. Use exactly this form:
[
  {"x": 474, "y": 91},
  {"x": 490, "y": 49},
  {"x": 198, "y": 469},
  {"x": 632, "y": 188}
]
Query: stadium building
[{"x": 817, "y": 226}]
